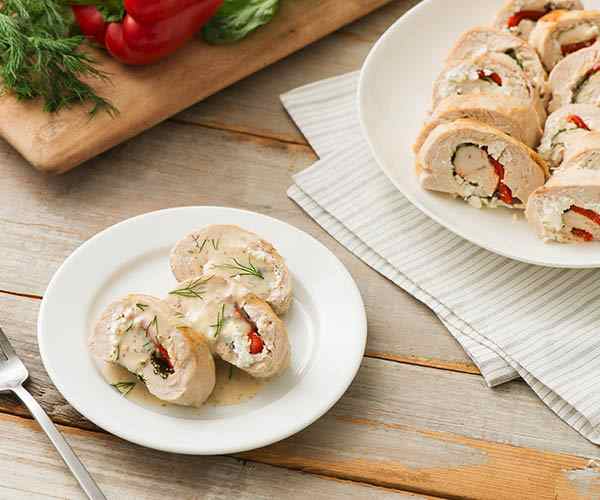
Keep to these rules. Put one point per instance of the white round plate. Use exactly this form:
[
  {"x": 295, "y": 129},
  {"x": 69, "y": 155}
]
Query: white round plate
[
  {"x": 394, "y": 98},
  {"x": 326, "y": 325}
]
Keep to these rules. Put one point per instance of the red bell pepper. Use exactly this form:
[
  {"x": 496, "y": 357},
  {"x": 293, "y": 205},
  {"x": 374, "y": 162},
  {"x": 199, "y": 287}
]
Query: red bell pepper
[{"x": 150, "y": 29}]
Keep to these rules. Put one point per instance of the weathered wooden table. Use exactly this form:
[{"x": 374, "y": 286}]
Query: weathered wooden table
[{"x": 418, "y": 417}]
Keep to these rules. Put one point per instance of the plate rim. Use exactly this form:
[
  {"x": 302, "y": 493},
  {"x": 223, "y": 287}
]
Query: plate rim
[
  {"x": 447, "y": 224},
  {"x": 353, "y": 292}
]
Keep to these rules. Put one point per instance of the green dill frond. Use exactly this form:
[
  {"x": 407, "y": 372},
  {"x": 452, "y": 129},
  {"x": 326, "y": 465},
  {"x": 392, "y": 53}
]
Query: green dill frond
[{"x": 41, "y": 58}]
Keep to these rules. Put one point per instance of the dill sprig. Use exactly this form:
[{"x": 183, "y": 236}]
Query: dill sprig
[
  {"x": 220, "y": 321},
  {"x": 200, "y": 246},
  {"x": 242, "y": 270},
  {"x": 41, "y": 58},
  {"x": 141, "y": 306},
  {"x": 193, "y": 290},
  {"x": 124, "y": 387}
]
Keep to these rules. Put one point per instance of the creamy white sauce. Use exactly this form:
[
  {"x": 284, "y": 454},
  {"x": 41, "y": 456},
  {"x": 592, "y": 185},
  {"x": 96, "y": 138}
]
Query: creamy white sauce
[
  {"x": 233, "y": 386},
  {"x": 218, "y": 317}
]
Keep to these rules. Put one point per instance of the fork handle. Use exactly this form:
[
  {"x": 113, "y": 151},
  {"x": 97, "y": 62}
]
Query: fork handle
[{"x": 86, "y": 481}]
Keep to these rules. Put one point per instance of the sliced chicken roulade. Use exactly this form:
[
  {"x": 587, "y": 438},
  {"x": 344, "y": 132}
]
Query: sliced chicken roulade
[
  {"x": 240, "y": 328},
  {"x": 236, "y": 254},
  {"x": 561, "y": 33},
  {"x": 520, "y": 16},
  {"x": 140, "y": 334},
  {"x": 510, "y": 115},
  {"x": 564, "y": 130},
  {"x": 576, "y": 79},
  {"x": 481, "y": 164},
  {"x": 567, "y": 208},
  {"x": 480, "y": 40},
  {"x": 492, "y": 74}
]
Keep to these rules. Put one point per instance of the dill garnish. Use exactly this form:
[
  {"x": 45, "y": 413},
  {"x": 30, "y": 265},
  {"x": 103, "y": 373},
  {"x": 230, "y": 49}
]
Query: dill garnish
[
  {"x": 200, "y": 246},
  {"x": 124, "y": 387},
  {"x": 193, "y": 290},
  {"x": 41, "y": 58},
  {"x": 249, "y": 270},
  {"x": 142, "y": 306},
  {"x": 220, "y": 321}
]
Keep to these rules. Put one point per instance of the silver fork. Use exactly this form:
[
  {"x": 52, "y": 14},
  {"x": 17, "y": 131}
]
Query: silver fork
[{"x": 12, "y": 375}]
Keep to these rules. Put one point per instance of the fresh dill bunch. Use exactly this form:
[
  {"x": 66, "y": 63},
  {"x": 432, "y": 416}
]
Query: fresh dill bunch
[{"x": 41, "y": 58}]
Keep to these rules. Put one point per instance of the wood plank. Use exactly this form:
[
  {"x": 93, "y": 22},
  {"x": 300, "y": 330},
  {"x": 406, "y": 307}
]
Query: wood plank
[
  {"x": 252, "y": 105},
  {"x": 43, "y": 219},
  {"x": 408, "y": 427},
  {"x": 31, "y": 468},
  {"x": 147, "y": 95}
]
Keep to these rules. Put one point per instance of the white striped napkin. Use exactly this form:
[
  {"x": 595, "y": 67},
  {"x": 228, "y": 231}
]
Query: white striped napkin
[{"x": 513, "y": 319}]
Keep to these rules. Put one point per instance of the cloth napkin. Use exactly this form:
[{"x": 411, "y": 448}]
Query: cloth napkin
[{"x": 513, "y": 319}]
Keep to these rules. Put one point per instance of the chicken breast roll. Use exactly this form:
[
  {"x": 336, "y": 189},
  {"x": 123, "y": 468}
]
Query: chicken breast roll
[
  {"x": 140, "y": 334},
  {"x": 481, "y": 164},
  {"x": 567, "y": 208},
  {"x": 519, "y": 17},
  {"x": 492, "y": 74},
  {"x": 480, "y": 40},
  {"x": 240, "y": 328},
  {"x": 510, "y": 115},
  {"x": 565, "y": 128},
  {"x": 561, "y": 33},
  {"x": 237, "y": 254},
  {"x": 576, "y": 79}
]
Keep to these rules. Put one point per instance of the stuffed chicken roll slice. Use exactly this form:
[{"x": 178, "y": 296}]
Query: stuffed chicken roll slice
[
  {"x": 561, "y": 33},
  {"x": 567, "y": 208},
  {"x": 140, "y": 334},
  {"x": 240, "y": 328},
  {"x": 481, "y": 164},
  {"x": 510, "y": 115},
  {"x": 576, "y": 79},
  {"x": 236, "y": 254},
  {"x": 493, "y": 74},
  {"x": 565, "y": 128},
  {"x": 519, "y": 17},
  {"x": 480, "y": 40}
]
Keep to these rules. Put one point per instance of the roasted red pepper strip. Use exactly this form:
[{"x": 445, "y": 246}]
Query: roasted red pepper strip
[
  {"x": 583, "y": 234},
  {"x": 504, "y": 192},
  {"x": 574, "y": 47},
  {"x": 256, "y": 343},
  {"x": 578, "y": 121},
  {"x": 531, "y": 15},
  {"x": 164, "y": 27},
  {"x": 495, "y": 77},
  {"x": 164, "y": 355},
  {"x": 590, "y": 214}
]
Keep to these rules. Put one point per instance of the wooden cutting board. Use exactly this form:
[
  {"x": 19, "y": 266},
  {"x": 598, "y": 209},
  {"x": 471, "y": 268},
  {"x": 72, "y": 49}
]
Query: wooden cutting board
[{"x": 147, "y": 95}]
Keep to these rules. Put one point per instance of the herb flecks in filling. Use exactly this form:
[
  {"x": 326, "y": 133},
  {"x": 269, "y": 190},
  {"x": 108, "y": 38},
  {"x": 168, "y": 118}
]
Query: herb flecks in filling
[
  {"x": 512, "y": 53},
  {"x": 584, "y": 79}
]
